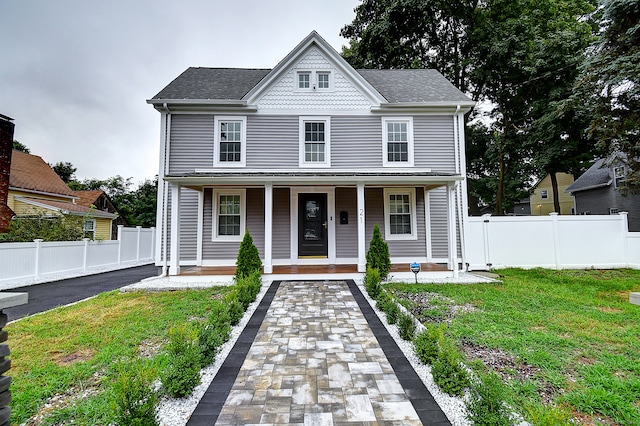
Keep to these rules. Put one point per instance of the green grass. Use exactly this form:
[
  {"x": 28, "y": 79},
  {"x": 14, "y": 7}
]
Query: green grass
[
  {"x": 578, "y": 327},
  {"x": 76, "y": 347}
]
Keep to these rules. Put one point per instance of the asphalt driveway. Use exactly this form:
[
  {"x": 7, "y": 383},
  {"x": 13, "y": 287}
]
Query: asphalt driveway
[{"x": 45, "y": 296}]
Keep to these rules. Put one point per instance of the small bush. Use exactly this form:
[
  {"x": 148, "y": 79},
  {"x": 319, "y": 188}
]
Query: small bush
[
  {"x": 248, "y": 260},
  {"x": 236, "y": 311},
  {"x": 426, "y": 344},
  {"x": 447, "y": 369},
  {"x": 373, "y": 284},
  {"x": 210, "y": 338},
  {"x": 378, "y": 254},
  {"x": 406, "y": 326},
  {"x": 393, "y": 312},
  {"x": 182, "y": 372},
  {"x": 486, "y": 405},
  {"x": 133, "y": 400}
]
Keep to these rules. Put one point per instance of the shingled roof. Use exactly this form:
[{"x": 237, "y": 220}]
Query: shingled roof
[
  {"x": 396, "y": 86},
  {"x": 598, "y": 175},
  {"x": 31, "y": 173}
]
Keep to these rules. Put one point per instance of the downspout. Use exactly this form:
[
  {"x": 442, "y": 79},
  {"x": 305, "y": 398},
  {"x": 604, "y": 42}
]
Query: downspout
[{"x": 165, "y": 219}]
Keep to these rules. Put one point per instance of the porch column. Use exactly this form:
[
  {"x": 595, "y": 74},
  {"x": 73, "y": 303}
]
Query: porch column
[
  {"x": 199, "y": 237},
  {"x": 268, "y": 228},
  {"x": 174, "y": 261},
  {"x": 362, "y": 261},
  {"x": 451, "y": 228}
]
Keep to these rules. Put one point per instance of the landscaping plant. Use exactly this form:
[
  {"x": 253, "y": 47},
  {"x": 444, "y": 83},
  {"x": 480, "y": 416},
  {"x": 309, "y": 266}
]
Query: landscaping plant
[
  {"x": 372, "y": 283},
  {"x": 182, "y": 373},
  {"x": 426, "y": 344},
  {"x": 378, "y": 254},
  {"x": 447, "y": 369},
  {"x": 406, "y": 326},
  {"x": 486, "y": 405},
  {"x": 248, "y": 260},
  {"x": 133, "y": 400}
]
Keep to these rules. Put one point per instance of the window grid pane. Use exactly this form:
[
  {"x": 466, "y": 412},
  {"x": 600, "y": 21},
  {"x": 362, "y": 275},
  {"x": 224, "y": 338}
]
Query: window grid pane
[
  {"x": 303, "y": 80},
  {"x": 399, "y": 214},
  {"x": 230, "y": 141},
  {"x": 323, "y": 81},
  {"x": 314, "y": 146},
  {"x": 229, "y": 215},
  {"x": 397, "y": 142}
]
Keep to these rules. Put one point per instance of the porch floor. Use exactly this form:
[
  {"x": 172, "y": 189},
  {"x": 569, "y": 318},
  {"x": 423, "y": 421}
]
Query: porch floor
[{"x": 194, "y": 271}]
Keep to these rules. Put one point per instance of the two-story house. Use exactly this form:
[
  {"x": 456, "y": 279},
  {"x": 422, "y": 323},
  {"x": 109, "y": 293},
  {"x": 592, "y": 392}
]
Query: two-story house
[
  {"x": 541, "y": 202},
  {"x": 309, "y": 156}
]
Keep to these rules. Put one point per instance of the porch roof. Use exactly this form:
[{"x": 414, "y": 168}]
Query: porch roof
[{"x": 315, "y": 177}]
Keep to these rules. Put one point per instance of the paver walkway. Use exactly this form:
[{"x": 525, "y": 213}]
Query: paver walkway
[{"x": 315, "y": 360}]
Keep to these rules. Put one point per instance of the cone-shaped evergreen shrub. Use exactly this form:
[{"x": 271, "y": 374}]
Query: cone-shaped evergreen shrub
[
  {"x": 248, "y": 258},
  {"x": 378, "y": 254}
]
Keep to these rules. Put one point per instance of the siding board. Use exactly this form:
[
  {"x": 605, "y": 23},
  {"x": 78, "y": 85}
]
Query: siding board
[
  {"x": 282, "y": 223},
  {"x": 347, "y": 234}
]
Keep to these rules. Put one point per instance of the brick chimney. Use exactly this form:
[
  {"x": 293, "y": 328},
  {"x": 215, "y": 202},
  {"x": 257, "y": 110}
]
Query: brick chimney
[{"x": 6, "y": 147}]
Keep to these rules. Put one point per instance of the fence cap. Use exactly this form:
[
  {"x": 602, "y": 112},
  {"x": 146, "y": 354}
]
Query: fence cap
[{"x": 9, "y": 300}]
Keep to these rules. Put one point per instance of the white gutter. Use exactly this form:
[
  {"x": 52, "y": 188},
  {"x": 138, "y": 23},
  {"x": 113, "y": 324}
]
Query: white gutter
[{"x": 165, "y": 191}]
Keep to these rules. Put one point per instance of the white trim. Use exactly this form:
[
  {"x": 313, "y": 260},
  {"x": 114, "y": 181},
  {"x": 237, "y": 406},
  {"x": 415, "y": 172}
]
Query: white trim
[
  {"x": 200, "y": 228},
  {"x": 216, "y": 140},
  {"x": 362, "y": 245},
  {"x": 326, "y": 120},
  {"x": 174, "y": 261},
  {"x": 411, "y": 192},
  {"x": 385, "y": 143},
  {"x": 427, "y": 223},
  {"x": 331, "y": 228},
  {"x": 268, "y": 228},
  {"x": 243, "y": 214}
]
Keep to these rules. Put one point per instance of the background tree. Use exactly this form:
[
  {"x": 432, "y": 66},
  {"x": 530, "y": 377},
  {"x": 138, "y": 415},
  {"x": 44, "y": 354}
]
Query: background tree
[
  {"x": 21, "y": 147},
  {"x": 609, "y": 86},
  {"x": 66, "y": 171}
]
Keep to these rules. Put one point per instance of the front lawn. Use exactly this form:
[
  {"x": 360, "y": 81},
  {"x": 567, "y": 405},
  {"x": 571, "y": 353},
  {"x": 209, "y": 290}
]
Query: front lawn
[
  {"x": 566, "y": 343},
  {"x": 63, "y": 360}
]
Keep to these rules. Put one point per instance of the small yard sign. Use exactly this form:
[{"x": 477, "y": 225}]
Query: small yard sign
[{"x": 415, "y": 268}]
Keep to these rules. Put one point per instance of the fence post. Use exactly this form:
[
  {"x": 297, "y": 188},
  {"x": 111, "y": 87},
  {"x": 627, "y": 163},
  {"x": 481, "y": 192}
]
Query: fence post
[
  {"x": 485, "y": 239},
  {"x": 36, "y": 272},
  {"x": 120, "y": 235},
  {"x": 556, "y": 238},
  {"x": 138, "y": 228},
  {"x": 153, "y": 243},
  {"x": 84, "y": 258},
  {"x": 625, "y": 236}
]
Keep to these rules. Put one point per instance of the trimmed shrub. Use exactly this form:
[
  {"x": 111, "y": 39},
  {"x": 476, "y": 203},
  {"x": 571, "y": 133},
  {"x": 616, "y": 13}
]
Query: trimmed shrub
[
  {"x": 426, "y": 344},
  {"x": 447, "y": 369},
  {"x": 236, "y": 311},
  {"x": 133, "y": 400},
  {"x": 248, "y": 258},
  {"x": 182, "y": 372},
  {"x": 372, "y": 283},
  {"x": 210, "y": 338},
  {"x": 486, "y": 405},
  {"x": 378, "y": 254},
  {"x": 393, "y": 312},
  {"x": 406, "y": 326}
]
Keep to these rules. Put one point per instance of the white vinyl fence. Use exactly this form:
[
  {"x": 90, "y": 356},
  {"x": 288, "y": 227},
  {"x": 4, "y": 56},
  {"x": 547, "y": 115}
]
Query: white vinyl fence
[
  {"x": 38, "y": 260},
  {"x": 554, "y": 241}
]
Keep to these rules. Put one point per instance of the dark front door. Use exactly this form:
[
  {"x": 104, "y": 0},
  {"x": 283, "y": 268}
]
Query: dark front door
[{"x": 312, "y": 225}]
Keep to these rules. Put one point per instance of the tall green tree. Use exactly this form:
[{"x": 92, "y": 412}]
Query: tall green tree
[
  {"x": 18, "y": 146},
  {"x": 65, "y": 170},
  {"x": 610, "y": 84}
]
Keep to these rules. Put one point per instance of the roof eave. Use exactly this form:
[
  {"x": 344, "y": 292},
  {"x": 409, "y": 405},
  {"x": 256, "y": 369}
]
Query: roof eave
[
  {"x": 586, "y": 188},
  {"x": 445, "y": 106},
  {"x": 200, "y": 104}
]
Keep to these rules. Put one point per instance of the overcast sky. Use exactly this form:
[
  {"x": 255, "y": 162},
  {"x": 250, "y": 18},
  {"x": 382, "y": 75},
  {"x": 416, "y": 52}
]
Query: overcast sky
[{"x": 75, "y": 74}]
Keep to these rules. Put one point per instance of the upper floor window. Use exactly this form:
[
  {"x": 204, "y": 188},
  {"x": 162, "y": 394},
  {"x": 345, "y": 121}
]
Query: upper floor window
[
  {"x": 313, "y": 80},
  {"x": 229, "y": 215},
  {"x": 544, "y": 194},
  {"x": 619, "y": 175},
  {"x": 400, "y": 214},
  {"x": 230, "y": 141},
  {"x": 315, "y": 142},
  {"x": 397, "y": 138}
]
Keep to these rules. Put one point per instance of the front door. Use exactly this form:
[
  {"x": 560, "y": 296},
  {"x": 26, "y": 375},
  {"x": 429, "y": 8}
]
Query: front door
[{"x": 312, "y": 225}]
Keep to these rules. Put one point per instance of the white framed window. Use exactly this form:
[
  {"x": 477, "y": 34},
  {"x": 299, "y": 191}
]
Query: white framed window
[
  {"x": 613, "y": 210},
  {"x": 89, "y": 228},
  {"x": 323, "y": 79},
  {"x": 619, "y": 175},
  {"x": 307, "y": 80},
  {"x": 400, "y": 218},
  {"x": 315, "y": 142},
  {"x": 544, "y": 194},
  {"x": 230, "y": 141},
  {"x": 304, "y": 79},
  {"x": 397, "y": 141},
  {"x": 229, "y": 217}
]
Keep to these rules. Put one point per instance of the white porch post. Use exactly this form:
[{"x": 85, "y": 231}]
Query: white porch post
[
  {"x": 268, "y": 228},
  {"x": 199, "y": 238},
  {"x": 362, "y": 261},
  {"x": 451, "y": 228},
  {"x": 174, "y": 261}
]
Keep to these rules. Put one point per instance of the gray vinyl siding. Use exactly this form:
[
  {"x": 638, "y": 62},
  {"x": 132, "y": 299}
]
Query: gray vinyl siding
[
  {"x": 191, "y": 145},
  {"x": 255, "y": 217},
  {"x": 273, "y": 142},
  {"x": 188, "y": 224},
  {"x": 347, "y": 234},
  {"x": 374, "y": 212},
  {"x": 281, "y": 223},
  {"x": 356, "y": 142},
  {"x": 600, "y": 200},
  {"x": 438, "y": 219},
  {"x": 219, "y": 249},
  {"x": 433, "y": 143}
]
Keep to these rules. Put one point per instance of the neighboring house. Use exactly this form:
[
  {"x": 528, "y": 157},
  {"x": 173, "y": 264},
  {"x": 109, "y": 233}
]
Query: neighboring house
[
  {"x": 541, "y": 201},
  {"x": 602, "y": 190},
  {"x": 522, "y": 207},
  {"x": 309, "y": 156},
  {"x": 97, "y": 199},
  {"x": 36, "y": 190}
]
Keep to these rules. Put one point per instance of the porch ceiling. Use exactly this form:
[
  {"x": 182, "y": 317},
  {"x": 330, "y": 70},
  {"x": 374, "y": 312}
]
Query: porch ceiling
[{"x": 396, "y": 177}]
